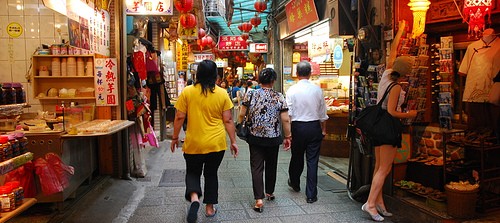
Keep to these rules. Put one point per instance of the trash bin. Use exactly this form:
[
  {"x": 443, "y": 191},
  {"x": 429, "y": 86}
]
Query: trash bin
[{"x": 461, "y": 204}]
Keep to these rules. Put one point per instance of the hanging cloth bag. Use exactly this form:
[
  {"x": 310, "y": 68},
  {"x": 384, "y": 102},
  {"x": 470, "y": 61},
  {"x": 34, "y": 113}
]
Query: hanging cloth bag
[{"x": 376, "y": 123}]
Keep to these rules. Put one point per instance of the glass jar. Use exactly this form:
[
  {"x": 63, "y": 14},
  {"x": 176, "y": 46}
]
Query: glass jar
[
  {"x": 4, "y": 147},
  {"x": 7, "y": 199},
  {"x": 20, "y": 93},
  {"x": 18, "y": 192},
  {"x": 14, "y": 144},
  {"x": 8, "y": 94},
  {"x": 23, "y": 142}
]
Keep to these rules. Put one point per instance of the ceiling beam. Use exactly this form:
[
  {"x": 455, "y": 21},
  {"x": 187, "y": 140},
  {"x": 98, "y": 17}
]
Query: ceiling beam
[{"x": 249, "y": 10}]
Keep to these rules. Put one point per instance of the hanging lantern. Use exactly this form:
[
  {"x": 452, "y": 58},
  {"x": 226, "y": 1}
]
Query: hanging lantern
[
  {"x": 206, "y": 41},
  {"x": 188, "y": 20},
  {"x": 419, "y": 9},
  {"x": 246, "y": 26},
  {"x": 255, "y": 21},
  {"x": 260, "y": 5},
  {"x": 240, "y": 27},
  {"x": 474, "y": 13},
  {"x": 245, "y": 36},
  {"x": 201, "y": 33},
  {"x": 183, "y": 6}
]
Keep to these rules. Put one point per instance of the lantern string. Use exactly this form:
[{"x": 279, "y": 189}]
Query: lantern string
[{"x": 460, "y": 12}]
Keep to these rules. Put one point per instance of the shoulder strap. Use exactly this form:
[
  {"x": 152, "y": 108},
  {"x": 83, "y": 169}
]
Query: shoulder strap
[
  {"x": 387, "y": 92},
  {"x": 248, "y": 107}
]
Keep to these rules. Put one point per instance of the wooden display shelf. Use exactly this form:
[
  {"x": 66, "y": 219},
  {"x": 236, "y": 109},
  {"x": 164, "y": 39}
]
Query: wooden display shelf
[
  {"x": 11, "y": 164},
  {"x": 27, "y": 202},
  {"x": 67, "y": 98},
  {"x": 63, "y": 77},
  {"x": 49, "y": 56}
]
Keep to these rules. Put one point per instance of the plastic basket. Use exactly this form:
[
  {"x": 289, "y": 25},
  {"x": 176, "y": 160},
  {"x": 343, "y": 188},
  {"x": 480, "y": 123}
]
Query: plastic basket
[{"x": 461, "y": 204}]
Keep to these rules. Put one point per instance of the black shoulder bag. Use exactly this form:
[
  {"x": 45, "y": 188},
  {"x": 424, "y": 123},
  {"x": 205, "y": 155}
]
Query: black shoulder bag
[
  {"x": 376, "y": 123},
  {"x": 242, "y": 129}
]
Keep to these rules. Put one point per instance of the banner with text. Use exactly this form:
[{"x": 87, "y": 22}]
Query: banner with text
[
  {"x": 106, "y": 82},
  {"x": 232, "y": 43},
  {"x": 300, "y": 13},
  {"x": 151, "y": 7},
  {"x": 258, "y": 47}
]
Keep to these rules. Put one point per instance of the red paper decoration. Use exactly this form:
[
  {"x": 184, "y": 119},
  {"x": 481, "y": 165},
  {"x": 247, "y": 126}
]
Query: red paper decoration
[
  {"x": 206, "y": 41},
  {"x": 240, "y": 27},
  {"x": 260, "y": 5},
  {"x": 475, "y": 12},
  {"x": 255, "y": 21},
  {"x": 183, "y": 6},
  {"x": 245, "y": 36},
  {"x": 188, "y": 20},
  {"x": 201, "y": 33},
  {"x": 246, "y": 26}
]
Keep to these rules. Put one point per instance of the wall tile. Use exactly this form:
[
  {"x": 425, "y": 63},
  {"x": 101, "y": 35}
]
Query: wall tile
[
  {"x": 19, "y": 71},
  {"x": 48, "y": 41},
  {"x": 31, "y": 46},
  {"x": 15, "y": 7},
  {"x": 47, "y": 30},
  {"x": 32, "y": 27},
  {"x": 31, "y": 7},
  {"x": 44, "y": 10},
  {"x": 19, "y": 49},
  {"x": 4, "y": 49},
  {"x": 4, "y": 20},
  {"x": 4, "y": 10},
  {"x": 35, "y": 107},
  {"x": 5, "y": 76}
]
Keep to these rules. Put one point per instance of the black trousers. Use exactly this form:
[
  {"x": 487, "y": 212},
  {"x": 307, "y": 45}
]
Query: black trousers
[
  {"x": 263, "y": 160},
  {"x": 209, "y": 165},
  {"x": 307, "y": 137}
]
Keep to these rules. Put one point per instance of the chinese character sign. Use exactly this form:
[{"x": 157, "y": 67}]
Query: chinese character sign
[
  {"x": 232, "y": 43},
  {"x": 300, "y": 13},
  {"x": 106, "y": 82},
  {"x": 149, "y": 7}
]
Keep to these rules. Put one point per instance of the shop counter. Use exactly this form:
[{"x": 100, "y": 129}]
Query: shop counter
[
  {"x": 83, "y": 151},
  {"x": 335, "y": 143}
]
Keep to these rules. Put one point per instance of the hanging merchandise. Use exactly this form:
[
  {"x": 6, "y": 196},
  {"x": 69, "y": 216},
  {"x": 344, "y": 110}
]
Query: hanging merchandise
[
  {"x": 139, "y": 64},
  {"x": 24, "y": 175},
  {"x": 474, "y": 13}
]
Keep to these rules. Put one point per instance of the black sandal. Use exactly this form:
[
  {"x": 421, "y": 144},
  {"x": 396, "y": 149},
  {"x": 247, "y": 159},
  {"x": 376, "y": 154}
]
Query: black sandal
[
  {"x": 270, "y": 197},
  {"x": 193, "y": 212},
  {"x": 258, "y": 207}
]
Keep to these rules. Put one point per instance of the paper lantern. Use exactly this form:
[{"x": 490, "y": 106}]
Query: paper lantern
[
  {"x": 245, "y": 36},
  {"x": 474, "y": 13},
  {"x": 260, "y": 5},
  {"x": 206, "y": 41},
  {"x": 240, "y": 27},
  {"x": 188, "y": 20},
  {"x": 246, "y": 26},
  {"x": 183, "y": 6},
  {"x": 255, "y": 21},
  {"x": 201, "y": 33},
  {"x": 419, "y": 9}
]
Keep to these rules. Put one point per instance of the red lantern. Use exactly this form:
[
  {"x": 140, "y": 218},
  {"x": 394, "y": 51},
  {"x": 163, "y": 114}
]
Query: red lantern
[
  {"x": 260, "y": 5},
  {"x": 245, "y": 36},
  {"x": 183, "y": 6},
  {"x": 206, "y": 41},
  {"x": 255, "y": 21},
  {"x": 188, "y": 20},
  {"x": 240, "y": 27},
  {"x": 201, "y": 33},
  {"x": 246, "y": 26}
]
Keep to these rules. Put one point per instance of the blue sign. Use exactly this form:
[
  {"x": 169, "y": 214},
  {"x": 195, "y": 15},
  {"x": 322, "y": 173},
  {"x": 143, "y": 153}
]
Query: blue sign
[{"x": 338, "y": 56}]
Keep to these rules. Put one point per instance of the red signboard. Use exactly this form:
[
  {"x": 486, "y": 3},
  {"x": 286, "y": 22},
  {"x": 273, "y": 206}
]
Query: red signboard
[
  {"x": 300, "y": 13},
  {"x": 258, "y": 47},
  {"x": 232, "y": 43}
]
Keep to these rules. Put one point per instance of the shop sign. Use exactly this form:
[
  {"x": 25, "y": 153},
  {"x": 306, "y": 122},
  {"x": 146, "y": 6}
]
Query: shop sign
[
  {"x": 182, "y": 56},
  {"x": 258, "y": 47},
  {"x": 184, "y": 33},
  {"x": 203, "y": 56},
  {"x": 300, "y": 13},
  {"x": 338, "y": 56},
  {"x": 14, "y": 29},
  {"x": 319, "y": 46},
  {"x": 232, "y": 43},
  {"x": 221, "y": 62},
  {"x": 149, "y": 7},
  {"x": 106, "y": 82}
]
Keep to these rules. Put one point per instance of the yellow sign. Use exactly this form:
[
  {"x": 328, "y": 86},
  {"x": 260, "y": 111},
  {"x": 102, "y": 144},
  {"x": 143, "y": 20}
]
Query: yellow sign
[{"x": 14, "y": 29}]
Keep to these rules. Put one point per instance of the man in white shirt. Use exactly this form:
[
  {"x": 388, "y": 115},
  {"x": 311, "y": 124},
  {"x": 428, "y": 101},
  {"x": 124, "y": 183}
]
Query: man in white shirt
[{"x": 307, "y": 110}]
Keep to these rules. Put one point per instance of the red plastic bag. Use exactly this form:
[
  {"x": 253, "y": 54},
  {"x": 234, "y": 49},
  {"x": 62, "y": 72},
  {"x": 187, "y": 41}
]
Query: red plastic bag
[
  {"x": 62, "y": 170},
  {"x": 24, "y": 175},
  {"x": 49, "y": 182}
]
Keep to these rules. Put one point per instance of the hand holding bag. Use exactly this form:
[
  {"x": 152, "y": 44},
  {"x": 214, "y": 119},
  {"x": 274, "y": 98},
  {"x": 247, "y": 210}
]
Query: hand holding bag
[
  {"x": 376, "y": 123},
  {"x": 242, "y": 129}
]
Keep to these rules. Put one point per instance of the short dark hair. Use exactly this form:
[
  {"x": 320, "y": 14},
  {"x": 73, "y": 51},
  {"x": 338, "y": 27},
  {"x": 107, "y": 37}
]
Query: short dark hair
[
  {"x": 206, "y": 75},
  {"x": 267, "y": 75},
  {"x": 303, "y": 68}
]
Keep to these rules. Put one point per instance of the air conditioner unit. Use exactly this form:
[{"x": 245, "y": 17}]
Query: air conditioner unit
[
  {"x": 215, "y": 8},
  {"x": 340, "y": 24}
]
